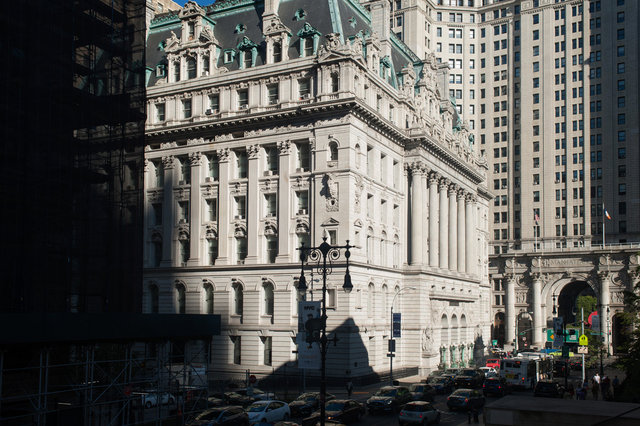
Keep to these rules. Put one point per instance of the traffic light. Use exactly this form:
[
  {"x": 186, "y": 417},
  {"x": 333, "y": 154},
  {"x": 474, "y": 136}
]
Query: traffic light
[{"x": 558, "y": 322}]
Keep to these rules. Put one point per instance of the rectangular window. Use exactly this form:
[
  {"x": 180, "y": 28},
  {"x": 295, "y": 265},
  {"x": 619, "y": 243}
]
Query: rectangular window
[
  {"x": 160, "y": 116},
  {"x": 186, "y": 108},
  {"x": 304, "y": 88},
  {"x": 243, "y": 99},
  {"x": 272, "y": 94},
  {"x": 236, "y": 341}
]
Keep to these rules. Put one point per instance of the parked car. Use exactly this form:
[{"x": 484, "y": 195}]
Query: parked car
[
  {"x": 343, "y": 411},
  {"x": 246, "y": 396},
  {"x": 493, "y": 363},
  {"x": 442, "y": 384},
  {"x": 307, "y": 403},
  {"x": 422, "y": 392},
  {"x": 496, "y": 386},
  {"x": 451, "y": 372},
  {"x": 268, "y": 411},
  {"x": 469, "y": 378},
  {"x": 435, "y": 373},
  {"x": 389, "y": 398},
  {"x": 228, "y": 416},
  {"x": 418, "y": 413},
  {"x": 151, "y": 398},
  {"x": 549, "y": 389},
  {"x": 465, "y": 399}
]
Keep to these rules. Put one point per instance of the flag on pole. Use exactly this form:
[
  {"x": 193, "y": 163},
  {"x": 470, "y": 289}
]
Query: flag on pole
[
  {"x": 536, "y": 218},
  {"x": 606, "y": 214}
]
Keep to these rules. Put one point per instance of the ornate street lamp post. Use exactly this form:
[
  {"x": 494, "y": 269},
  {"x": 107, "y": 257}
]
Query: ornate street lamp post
[
  {"x": 323, "y": 257},
  {"x": 392, "y": 345}
]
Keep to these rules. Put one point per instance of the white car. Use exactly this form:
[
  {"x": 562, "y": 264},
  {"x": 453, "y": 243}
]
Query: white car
[
  {"x": 268, "y": 411},
  {"x": 150, "y": 398},
  {"x": 418, "y": 413},
  {"x": 489, "y": 371}
]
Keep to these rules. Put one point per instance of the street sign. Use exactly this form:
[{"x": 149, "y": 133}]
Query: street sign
[
  {"x": 583, "y": 350},
  {"x": 572, "y": 336},
  {"x": 308, "y": 353},
  {"x": 397, "y": 324},
  {"x": 583, "y": 341},
  {"x": 392, "y": 345},
  {"x": 550, "y": 335}
]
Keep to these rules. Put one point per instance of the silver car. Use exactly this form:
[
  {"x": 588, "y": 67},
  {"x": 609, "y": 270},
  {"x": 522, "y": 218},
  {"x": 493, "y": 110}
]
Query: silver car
[{"x": 418, "y": 413}]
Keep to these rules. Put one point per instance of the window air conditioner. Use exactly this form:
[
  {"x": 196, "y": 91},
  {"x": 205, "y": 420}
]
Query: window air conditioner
[
  {"x": 299, "y": 170},
  {"x": 208, "y": 179},
  {"x": 268, "y": 173},
  {"x": 209, "y": 111},
  {"x": 245, "y": 106}
]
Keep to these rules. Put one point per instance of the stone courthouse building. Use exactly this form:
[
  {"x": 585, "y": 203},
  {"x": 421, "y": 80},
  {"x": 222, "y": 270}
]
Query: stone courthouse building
[{"x": 274, "y": 123}]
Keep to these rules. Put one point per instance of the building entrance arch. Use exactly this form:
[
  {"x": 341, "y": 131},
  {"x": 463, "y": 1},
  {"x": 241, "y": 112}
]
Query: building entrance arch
[{"x": 566, "y": 300}]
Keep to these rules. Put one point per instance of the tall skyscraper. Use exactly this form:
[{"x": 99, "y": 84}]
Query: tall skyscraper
[{"x": 550, "y": 91}]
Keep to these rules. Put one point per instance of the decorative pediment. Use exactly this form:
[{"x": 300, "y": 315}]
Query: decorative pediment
[
  {"x": 274, "y": 26},
  {"x": 172, "y": 43},
  {"x": 191, "y": 9},
  {"x": 330, "y": 222},
  {"x": 206, "y": 35},
  {"x": 246, "y": 44}
]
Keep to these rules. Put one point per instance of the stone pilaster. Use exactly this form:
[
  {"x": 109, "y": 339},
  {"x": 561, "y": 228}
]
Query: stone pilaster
[
  {"x": 433, "y": 220},
  {"x": 195, "y": 209},
  {"x": 470, "y": 238},
  {"x": 444, "y": 224},
  {"x": 224, "y": 208},
  {"x": 453, "y": 229},
  {"x": 424, "y": 224},
  {"x": 461, "y": 232},
  {"x": 284, "y": 202},
  {"x": 253, "y": 205},
  {"x": 168, "y": 219}
]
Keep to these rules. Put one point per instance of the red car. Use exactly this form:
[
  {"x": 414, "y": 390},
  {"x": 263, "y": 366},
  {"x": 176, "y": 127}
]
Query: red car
[{"x": 493, "y": 363}]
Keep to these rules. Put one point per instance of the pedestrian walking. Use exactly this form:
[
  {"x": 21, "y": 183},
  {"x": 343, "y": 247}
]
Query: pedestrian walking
[
  {"x": 616, "y": 386},
  {"x": 596, "y": 378},
  {"x": 349, "y": 387},
  {"x": 595, "y": 388}
]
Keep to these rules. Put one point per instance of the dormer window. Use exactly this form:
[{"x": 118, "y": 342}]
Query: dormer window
[
  {"x": 161, "y": 70},
  {"x": 205, "y": 65},
  {"x": 309, "y": 38},
  {"x": 248, "y": 53},
  {"x": 228, "y": 56}
]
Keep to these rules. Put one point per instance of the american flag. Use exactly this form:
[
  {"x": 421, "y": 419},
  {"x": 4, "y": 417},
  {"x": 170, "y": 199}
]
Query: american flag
[{"x": 536, "y": 217}]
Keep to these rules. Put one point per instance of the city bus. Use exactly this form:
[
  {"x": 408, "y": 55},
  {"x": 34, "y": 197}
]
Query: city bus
[{"x": 524, "y": 372}]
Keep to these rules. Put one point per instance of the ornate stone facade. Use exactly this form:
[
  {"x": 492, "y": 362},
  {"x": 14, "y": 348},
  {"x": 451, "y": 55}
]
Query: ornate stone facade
[{"x": 316, "y": 136}]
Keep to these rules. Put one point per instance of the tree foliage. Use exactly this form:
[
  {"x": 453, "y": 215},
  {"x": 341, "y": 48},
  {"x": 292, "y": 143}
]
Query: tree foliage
[{"x": 630, "y": 347}]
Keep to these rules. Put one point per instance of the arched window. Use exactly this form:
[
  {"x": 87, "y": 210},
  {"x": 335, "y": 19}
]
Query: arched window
[
  {"x": 444, "y": 331},
  {"x": 154, "y": 299},
  {"x": 383, "y": 259},
  {"x": 307, "y": 46},
  {"x": 267, "y": 299},
  {"x": 238, "y": 299},
  {"x": 385, "y": 299},
  {"x": 455, "y": 337},
  {"x": 463, "y": 329},
  {"x": 335, "y": 82},
  {"x": 370, "y": 300},
  {"x": 357, "y": 154},
  {"x": 333, "y": 151},
  {"x": 181, "y": 299},
  {"x": 191, "y": 68},
  {"x": 208, "y": 299},
  {"x": 176, "y": 70},
  {"x": 277, "y": 52}
]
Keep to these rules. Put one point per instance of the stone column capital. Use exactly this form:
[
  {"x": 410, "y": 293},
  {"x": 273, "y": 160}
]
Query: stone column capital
[
  {"x": 253, "y": 151},
  {"x": 433, "y": 178},
  {"x": 168, "y": 162},
  {"x": 195, "y": 159},
  {"x": 453, "y": 190},
  {"x": 461, "y": 194},
  {"x": 284, "y": 147},
  {"x": 223, "y": 155},
  {"x": 443, "y": 184}
]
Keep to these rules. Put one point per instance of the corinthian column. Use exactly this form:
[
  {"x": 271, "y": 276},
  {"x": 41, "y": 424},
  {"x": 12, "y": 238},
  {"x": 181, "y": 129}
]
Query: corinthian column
[
  {"x": 433, "y": 220},
  {"x": 510, "y": 309},
  {"x": 461, "y": 232},
  {"x": 538, "y": 320},
  {"x": 224, "y": 207},
  {"x": 444, "y": 224},
  {"x": 195, "y": 161},
  {"x": 424, "y": 224},
  {"x": 167, "y": 211},
  {"x": 453, "y": 228},
  {"x": 252, "y": 200},
  {"x": 284, "y": 202},
  {"x": 416, "y": 214}
]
